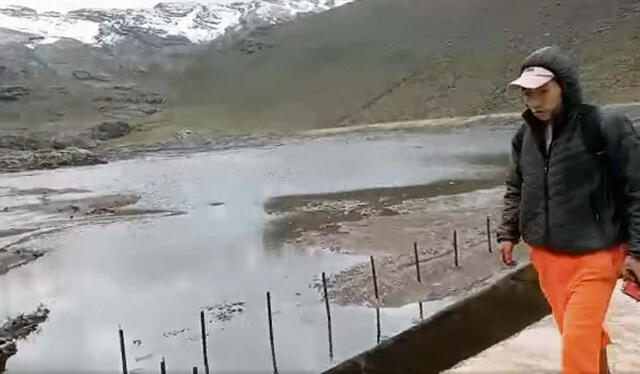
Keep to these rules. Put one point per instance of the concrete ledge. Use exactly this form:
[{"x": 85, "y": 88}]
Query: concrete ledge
[{"x": 458, "y": 332}]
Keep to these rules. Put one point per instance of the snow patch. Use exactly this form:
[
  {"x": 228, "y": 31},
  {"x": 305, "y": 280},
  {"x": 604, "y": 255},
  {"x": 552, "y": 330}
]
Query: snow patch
[{"x": 194, "y": 21}]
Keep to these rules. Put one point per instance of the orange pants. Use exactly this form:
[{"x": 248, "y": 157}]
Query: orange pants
[{"x": 579, "y": 288}]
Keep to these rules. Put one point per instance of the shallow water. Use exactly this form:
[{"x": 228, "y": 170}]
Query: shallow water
[{"x": 154, "y": 275}]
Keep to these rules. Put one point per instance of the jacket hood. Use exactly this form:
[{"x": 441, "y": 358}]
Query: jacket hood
[{"x": 565, "y": 70}]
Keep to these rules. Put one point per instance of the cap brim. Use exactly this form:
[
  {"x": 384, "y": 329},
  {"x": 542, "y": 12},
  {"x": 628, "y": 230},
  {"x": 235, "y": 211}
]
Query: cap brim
[{"x": 530, "y": 82}]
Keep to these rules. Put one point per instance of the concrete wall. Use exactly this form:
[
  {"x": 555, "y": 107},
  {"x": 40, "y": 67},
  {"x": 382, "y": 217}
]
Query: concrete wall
[{"x": 458, "y": 332}]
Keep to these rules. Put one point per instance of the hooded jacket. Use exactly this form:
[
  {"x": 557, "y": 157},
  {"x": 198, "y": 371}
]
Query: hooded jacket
[{"x": 573, "y": 198}]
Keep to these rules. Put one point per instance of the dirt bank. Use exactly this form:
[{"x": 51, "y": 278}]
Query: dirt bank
[{"x": 385, "y": 224}]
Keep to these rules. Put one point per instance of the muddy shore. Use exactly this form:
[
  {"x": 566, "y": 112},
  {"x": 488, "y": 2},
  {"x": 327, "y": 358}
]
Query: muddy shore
[
  {"x": 42, "y": 211},
  {"x": 34, "y": 152},
  {"x": 386, "y": 224},
  {"x": 45, "y": 155},
  {"x": 39, "y": 212}
]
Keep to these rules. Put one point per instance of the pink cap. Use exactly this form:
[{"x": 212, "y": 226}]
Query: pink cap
[{"x": 533, "y": 77}]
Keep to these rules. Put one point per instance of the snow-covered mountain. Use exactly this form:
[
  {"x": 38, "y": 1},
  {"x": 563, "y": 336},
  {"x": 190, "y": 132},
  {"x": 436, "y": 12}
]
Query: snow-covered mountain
[{"x": 167, "y": 23}]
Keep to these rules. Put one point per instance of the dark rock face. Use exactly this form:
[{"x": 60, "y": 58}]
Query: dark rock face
[
  {"x": 110, "y": 130},
  {"x": 139, "y": 24},
  {"x": 8, "y": 348},
  {"x": 13, "y": 93},
  {"x": 155, "y": 40}
]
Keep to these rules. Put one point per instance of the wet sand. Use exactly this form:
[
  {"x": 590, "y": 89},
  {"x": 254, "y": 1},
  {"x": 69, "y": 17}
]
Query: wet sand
[
  {"x": 386, "y": 224},
  {"x": 42, "y": 211}
]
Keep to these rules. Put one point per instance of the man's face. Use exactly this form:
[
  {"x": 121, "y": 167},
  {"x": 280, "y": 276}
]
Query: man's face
[{"x": 543, "y": 101}]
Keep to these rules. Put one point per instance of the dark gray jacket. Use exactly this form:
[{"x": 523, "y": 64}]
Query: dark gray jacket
[{"x": 579, "y": 197}]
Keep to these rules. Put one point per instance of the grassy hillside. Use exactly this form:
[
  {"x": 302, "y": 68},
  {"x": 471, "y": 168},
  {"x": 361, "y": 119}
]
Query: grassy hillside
[{"x": 383, "y": 60}]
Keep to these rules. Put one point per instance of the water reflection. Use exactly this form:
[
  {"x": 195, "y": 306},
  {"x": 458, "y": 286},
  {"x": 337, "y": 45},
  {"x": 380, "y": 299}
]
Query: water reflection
[{"x": 154, "y": 275}]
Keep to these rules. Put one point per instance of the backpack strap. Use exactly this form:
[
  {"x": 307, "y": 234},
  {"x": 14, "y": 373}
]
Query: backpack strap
[
  {"x": 591, "y": 123},
  {"x": 591, "y": 126}
]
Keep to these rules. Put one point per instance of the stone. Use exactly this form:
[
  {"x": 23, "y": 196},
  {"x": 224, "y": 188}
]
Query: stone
[
  {"x": 13, "y": 93},
  {"x": 16, "y": 328},
  {"x": 7, "y": 349},
  {"x": 110, "y": 130},
  {"x": 126, "y": 101},
  {"x": 83, "y": 75},
  {"x": 145, "y": 109},
  {"x": 77, "y": 141}
]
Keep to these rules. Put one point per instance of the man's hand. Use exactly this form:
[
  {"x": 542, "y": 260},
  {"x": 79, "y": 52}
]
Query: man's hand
[
  {"x": 506, "y": 249},
  {"x": 631, "y": 265}
]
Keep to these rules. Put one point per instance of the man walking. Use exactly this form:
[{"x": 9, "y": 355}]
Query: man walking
[{"x": 573, "y": 195}]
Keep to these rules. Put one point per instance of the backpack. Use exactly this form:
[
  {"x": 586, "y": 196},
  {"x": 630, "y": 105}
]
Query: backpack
[
  {"x": 596, "y": 144},
  {"x": 592, "y": 133}
]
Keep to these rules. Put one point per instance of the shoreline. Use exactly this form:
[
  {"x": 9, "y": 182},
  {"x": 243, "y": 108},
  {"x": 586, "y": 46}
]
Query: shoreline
[
  {"x": 70, "y": 157},
  {"x": 388, "y": 230}
]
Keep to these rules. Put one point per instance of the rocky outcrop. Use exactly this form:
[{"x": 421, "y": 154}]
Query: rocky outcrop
[
  {"x": 69, "y": 140},
  {"x": 12, "y": 161},
  {"x": 18, "y": 328},
  {"x": 8, "y": 348},
  {"x": 251, "y": 45},
  {"x": 20, "y": 142},
  {"x": 110, "y": 130},
  {"x": 13, "y": 93},
  {"x": 61, "y": 141},
  {"x": 126, "y": 101},
  {"x": 137, "y": 98}
]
